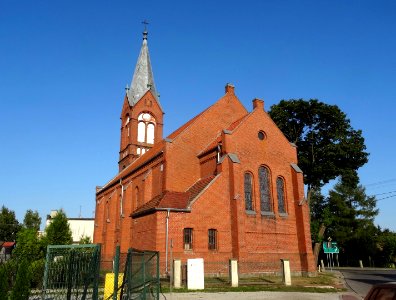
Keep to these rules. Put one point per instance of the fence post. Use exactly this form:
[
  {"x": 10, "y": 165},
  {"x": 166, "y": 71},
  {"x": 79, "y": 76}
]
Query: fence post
[
  {"x": 70, "y": 273},
  {"x": 95, "y": 292},
  {"x": 234, "y": 272},
  {"x": 47, "y": 259},
  {"x": 177, "y": 273},
  {"x": 286, "y": 277},
  {"x": 115, "y": 271},
  {"x": 158, "y": 276}
]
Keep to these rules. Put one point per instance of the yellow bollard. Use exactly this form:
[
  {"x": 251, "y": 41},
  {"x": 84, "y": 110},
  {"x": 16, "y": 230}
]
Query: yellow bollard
[{"x": 109, "y": 285}]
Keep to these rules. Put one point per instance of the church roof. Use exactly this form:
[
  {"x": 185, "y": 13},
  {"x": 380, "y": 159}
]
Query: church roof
[
  {"x": 143, "y": 79},
  {"x": 174, "y": 201}
]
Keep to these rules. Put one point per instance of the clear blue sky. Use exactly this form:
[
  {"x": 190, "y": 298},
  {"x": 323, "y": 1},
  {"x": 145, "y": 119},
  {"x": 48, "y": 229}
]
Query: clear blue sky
[{"x": 64, "y": 66}]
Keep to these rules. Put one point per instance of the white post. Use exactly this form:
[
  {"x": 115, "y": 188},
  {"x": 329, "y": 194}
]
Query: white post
[
  {"x": 322, "y": 264},
  {"x": 286, "y": 271},
  {"x": 361, "y": 264},
  {"x": 177, "y": 273},
  {"x": 234, "y": 272}
]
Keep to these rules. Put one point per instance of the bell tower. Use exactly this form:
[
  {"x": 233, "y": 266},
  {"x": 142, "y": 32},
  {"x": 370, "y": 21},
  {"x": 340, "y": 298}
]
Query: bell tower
[{"x": 142, "y": 114}]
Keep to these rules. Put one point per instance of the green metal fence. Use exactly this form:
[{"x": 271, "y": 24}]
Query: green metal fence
[
  {"x": 141, "y": 275},
  {"x": 71, "y": 272}
]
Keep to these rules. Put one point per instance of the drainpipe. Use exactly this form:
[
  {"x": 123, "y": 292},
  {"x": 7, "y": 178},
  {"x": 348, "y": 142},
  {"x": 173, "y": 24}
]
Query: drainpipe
[{"x": 166, "y": 241}]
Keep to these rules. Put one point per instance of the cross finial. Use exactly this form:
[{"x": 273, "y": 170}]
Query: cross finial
[{"x": 145, "y": 23}]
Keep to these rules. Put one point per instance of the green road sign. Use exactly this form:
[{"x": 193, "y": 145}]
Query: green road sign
[{"x": 330, "y": 247}]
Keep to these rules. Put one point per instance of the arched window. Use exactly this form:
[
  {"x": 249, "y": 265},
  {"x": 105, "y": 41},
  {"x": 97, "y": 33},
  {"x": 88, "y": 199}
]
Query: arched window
[
  {"x": 248, "y": 191},
  {"x": 127, "y": 119},
  {"x": 280, "y": 190},
  {"x": 265, "y": 194},
  {"x": 146, "y": 128}
]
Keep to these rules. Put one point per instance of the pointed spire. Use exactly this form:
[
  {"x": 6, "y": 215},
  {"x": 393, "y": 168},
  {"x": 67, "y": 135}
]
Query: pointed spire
[{"x": 143, "y": 79}]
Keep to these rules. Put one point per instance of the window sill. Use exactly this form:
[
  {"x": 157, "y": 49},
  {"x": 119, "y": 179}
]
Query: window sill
[
  {"x": 283, "y": 215},
  {"x": 267, "y": 214},
  {"x": 250, "y": 212}
]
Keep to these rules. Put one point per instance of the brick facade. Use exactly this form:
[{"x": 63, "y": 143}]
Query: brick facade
[
  {"x": 205, "y": 147},
  {"x": 195, "y": 178}
]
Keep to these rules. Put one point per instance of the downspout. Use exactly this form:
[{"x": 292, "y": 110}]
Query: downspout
[{"x": 166, "y": 241}]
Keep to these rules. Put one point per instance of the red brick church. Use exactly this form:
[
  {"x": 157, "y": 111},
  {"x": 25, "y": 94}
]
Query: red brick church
[{"x": 224, "y": 185}]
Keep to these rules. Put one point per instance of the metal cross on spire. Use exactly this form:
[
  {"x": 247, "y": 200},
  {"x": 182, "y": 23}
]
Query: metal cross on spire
[{"x": 145, "y": 22}]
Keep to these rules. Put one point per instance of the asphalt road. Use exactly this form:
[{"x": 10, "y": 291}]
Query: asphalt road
[{"x": 361, "y": 280}]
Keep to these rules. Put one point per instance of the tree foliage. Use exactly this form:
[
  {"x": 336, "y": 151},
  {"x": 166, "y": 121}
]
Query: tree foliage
[
  {"x": 21, "y": 289},
  {"x": 84, "y": 240},
  {"x": 32, "y": 220},
  {"x": 28, "y": 245},
  {"x": 9, "y": 225},
  {"x": 348, "y": 214},
  {"x": 352, "y": 211},
  {"x": 328, "y": 147},
  {"x": 3, "y": 283},
  {"x": 58, "y": 231}
]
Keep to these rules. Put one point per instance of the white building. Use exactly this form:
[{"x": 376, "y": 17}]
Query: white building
[{"x": 80, "y": 227}]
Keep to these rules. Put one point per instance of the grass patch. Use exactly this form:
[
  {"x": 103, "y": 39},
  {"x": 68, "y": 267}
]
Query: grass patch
[{"x": 315, "y": 284}]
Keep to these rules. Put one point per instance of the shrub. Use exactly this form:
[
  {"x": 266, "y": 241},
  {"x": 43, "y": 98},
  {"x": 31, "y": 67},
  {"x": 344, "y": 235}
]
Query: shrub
[
  {"x": 3, "y": 283},
  {"x": 21, "y": 288}
]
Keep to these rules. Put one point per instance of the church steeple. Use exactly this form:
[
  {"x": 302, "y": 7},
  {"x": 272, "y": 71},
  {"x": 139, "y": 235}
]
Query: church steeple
[
  {"x": 142, "y": 115},
  {"x": 143, "y": 79}
]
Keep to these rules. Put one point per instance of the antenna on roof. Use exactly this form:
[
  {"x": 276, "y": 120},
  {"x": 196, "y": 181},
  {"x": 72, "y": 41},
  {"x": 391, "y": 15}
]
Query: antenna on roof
[{"x": 80, "y": 213}]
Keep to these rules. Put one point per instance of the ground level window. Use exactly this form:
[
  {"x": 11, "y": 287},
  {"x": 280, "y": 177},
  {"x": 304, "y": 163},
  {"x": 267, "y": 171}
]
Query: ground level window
[
  {"x": 212, "y": 239},
  {"x": 188, "y": 238}
]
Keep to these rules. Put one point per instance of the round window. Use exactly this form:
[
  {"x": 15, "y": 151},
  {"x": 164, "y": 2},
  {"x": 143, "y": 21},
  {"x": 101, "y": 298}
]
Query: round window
[{"x": 261, "y": 135}]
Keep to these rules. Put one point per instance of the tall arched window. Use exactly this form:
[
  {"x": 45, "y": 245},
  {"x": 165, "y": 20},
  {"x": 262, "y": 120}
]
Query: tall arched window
[
  {"x": 265, "y": 194},
  {"x": 146, "y": 128},
  {"x": 127, "y": 119},
  {"x": 248, "y": 191},
  {"x": 280, "y": 190}
]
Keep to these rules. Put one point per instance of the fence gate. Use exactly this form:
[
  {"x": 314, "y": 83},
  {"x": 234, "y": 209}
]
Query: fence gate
[
  {"x": 71, "y": 272},
  {"x": 141, "y": 280}
]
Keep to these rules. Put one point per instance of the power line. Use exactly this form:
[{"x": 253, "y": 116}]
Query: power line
[
  {"x": 383, "y": 193},
  {"x": 386, "y": 197},
  {"x": 380, "y": 182}
]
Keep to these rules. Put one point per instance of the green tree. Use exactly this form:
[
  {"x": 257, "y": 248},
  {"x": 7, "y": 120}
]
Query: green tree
[
  {"x": 28, "y": 245},
  {"x": 9, "y": 225},
  {"x": 58, "y": 231},
  {"x": 328, "y": 146},
  {"x": 32, "y": 220},
  {"x": 3, "y": 283},
  {"x": 85, "y": 240},
  {"x": 352, "y": 222},
  {"x": 21, "y": 288},
  {"x": 387, "y": 243}
]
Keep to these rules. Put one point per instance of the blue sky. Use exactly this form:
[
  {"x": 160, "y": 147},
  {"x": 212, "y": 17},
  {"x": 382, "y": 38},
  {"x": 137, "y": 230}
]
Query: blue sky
[{"x": 64, "y": 66}]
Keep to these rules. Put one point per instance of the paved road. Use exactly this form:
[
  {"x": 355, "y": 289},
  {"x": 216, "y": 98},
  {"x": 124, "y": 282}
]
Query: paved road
[
  {"x": 361, "y": 280},
  {"x": 253, "y": 296}
]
